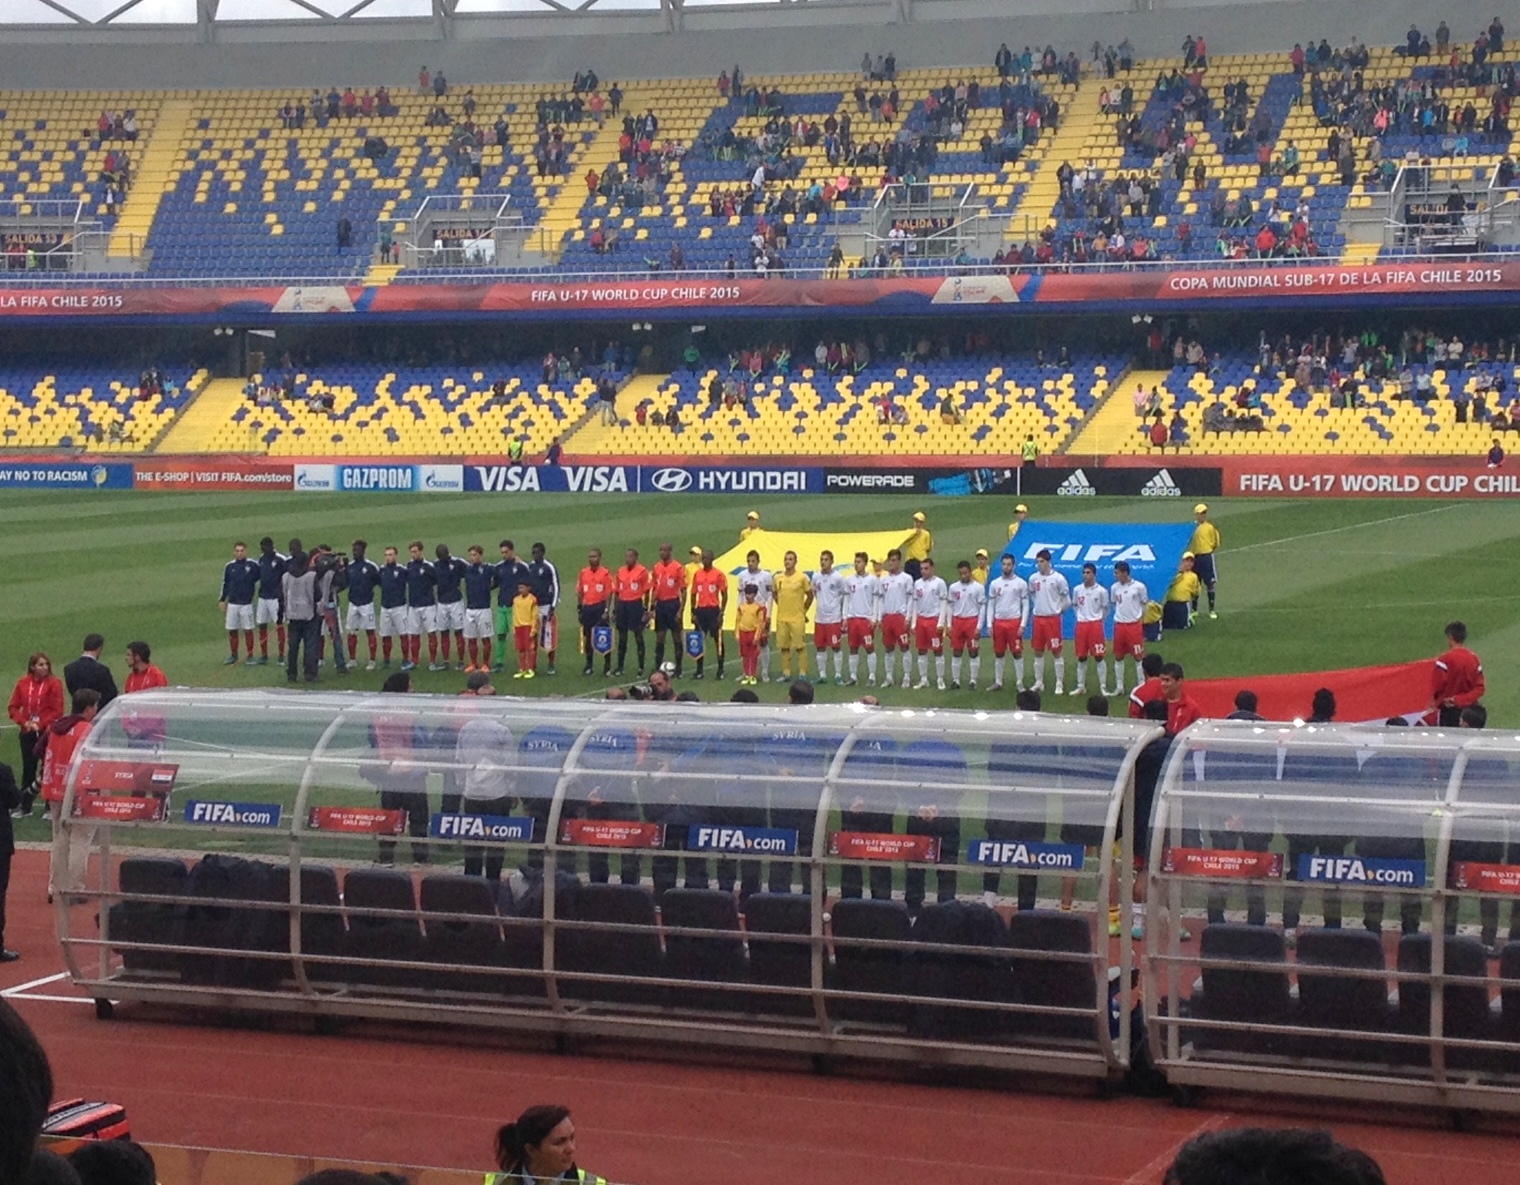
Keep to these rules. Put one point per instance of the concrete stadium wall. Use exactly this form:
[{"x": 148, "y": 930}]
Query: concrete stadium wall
[{"x": 775, "y": 39}]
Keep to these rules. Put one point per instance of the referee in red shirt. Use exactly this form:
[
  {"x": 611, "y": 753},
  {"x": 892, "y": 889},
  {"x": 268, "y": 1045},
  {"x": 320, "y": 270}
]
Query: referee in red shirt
[
  {"x": 1457, "y": 680},
  {"x": 633, "y": 589}
]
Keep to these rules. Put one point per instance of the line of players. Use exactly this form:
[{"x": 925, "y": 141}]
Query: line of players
[
  {"x": 851, "y": 608},
  {"x": 451, "y": 599},
  {"x": 445, "y": 599}
]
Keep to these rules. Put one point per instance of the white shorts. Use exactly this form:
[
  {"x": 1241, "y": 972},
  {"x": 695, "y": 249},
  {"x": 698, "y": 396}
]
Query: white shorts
[
  {"x": 479, "y": 623},
  {"x": 361, "y": 617},
  {"x": 268, "y": 611},
  {"x": 393, "y": 622},
  {"x": 449, "y": 617},
  {"x": 239, "y": 617},
  {"x": 421, "y": 619}
]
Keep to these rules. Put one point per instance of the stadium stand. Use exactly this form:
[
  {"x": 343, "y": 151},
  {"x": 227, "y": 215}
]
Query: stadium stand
[
  {"x": 933, "y": 407},
  {"x": 90, "y": 408},
  {"x": 1232, "y": 405},
  {"x": 370, "y": 409}
]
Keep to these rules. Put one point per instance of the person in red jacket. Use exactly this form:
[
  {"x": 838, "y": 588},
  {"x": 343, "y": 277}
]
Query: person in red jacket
[
  {"x": 1181, "y": 709},
  {"x": 36, "y": 702},
  {"x": 143, "y": 730},
  {"x": 1149, "y": 689},
  {"x": 1456, "y": 681},
  {"x": 57, "y": 750}
]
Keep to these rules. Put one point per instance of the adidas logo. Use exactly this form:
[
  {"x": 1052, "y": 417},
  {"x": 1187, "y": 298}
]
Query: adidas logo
[
  {"x": 1161, "y": 486},
  {"x": 1077, "y": 486}
]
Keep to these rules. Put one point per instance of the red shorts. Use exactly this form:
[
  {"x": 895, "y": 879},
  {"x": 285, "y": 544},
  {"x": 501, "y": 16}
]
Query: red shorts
[
  {"x": 826, "y": 635},
  {"x": 1090, "y": 641},
  {"x": 861, "y": 633},
  {"x": 894, "y": 631},
  {"x": 1006, "y": 636},
  {"x": 1129, "y": 639},
  {"x": 522, "y": 636},
  {"x": 926, "y": 636},
  {"x": 965, "y": 633},
  {"x": 1047, "y": 632}
]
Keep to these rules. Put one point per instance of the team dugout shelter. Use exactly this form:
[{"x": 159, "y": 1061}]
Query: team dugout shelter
[{"x": 810, "y": 880}]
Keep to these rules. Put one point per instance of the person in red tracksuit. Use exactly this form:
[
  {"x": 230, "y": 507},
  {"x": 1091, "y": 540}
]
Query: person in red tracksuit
[
  {"x": 1456, "y": 682},
  {"x": 35, "y": 703},
  {"x": 1149, "y": 689},
  {"x": 56, "y": 748}
]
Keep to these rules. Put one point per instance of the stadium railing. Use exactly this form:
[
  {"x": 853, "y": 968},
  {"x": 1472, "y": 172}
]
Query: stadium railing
[
  {"x": 292, "y": 811},
  {"x": 929, "y": 268},
  {"x": 1406, "y": 824}
]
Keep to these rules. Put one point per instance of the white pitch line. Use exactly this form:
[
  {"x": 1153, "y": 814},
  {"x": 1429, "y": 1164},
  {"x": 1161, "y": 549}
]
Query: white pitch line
[
  {"x": 1376, "y": 522},
  {"x": 58, "y": 999},
  {"x": 34, "y": 983}
]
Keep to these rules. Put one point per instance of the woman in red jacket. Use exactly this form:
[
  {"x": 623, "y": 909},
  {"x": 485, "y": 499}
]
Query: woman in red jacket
[{"x": 35, "y": 703}]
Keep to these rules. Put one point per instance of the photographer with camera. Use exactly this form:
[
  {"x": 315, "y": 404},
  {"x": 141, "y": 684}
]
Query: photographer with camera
[{"x": 331, "y": 569}]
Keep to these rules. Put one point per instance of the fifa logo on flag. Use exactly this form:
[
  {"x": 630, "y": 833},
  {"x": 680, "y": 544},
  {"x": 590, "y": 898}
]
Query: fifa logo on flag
[
  {"x": 694, "y": 644},
  {"x": 601, "y": 639}
]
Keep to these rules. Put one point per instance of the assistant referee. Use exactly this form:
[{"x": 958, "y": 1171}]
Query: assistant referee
[{"x": 1205, "y": 543}]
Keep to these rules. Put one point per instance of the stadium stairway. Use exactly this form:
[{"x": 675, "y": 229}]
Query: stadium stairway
[
  {"x": 562, "y": 215},
  {"x": 1034, "y": 209},
  {"x": 591, "y": 437},
  {"x": 1113, "y": 423},
  {"x": 155, "y": 177},
  {"x": 195, "y": 431}
]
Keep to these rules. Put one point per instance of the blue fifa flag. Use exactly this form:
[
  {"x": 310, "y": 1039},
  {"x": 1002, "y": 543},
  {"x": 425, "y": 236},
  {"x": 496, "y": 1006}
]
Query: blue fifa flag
[
  {"x": 1363, "y": 870},
  {"x": 723, "y": 837},
  {"x": 501, "y": 828},
  {"x": 1152, "y": 550},
  {"x": 695, "y": 646},
  {"x": 232, "y": 814},
  {"x": 601, "y": 639},
  {"x": 1020, "y": 853}
]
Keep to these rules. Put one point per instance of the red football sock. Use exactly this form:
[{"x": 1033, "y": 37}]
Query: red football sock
[
  {"x": 232, "y": 642},
  {"x": 386, "y": 648},
  {"x": 248, "y": 639},
  {"x": 445, "y": 639},
  {"x": 353, "y": 646},
  {"x": 432, "y": 648},
  {"x": 474, "y": 648},
  {"x": 485, "y": 654},
  {"x": 372, "y": 646},
  {"x": 458, "y": 644},
  {"x": 264, "y": 640}
]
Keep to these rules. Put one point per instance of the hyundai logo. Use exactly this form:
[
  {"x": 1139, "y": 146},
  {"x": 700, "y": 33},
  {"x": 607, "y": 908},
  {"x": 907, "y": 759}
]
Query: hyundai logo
[{"x": 670, "y": 481}]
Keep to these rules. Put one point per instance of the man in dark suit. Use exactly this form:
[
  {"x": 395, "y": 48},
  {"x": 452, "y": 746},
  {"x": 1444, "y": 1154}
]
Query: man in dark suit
[
  {"x": 10, "y": 798},
  {"x": 88, "y": 671}
]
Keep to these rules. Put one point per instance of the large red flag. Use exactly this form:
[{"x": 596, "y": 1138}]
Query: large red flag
[{"x": 1361, "y": 693}]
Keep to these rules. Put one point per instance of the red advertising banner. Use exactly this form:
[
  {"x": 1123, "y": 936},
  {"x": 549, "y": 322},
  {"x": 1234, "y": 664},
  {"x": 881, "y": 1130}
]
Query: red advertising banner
[
  {"x": 125, "y": 777},
  {"x": 612, "y": 833},
  {"x": 223, "y": 473},
  {"x": 879, "y": 845},
  {"x": 1361, "y": 693},
  {"x": 1222, "y": 862},
  {"x": 1486, "y": 878},
  {"x": 357, "y": 820},
  {"x": 1367, "y": 477},
  {"x": 152, "y": 808}
]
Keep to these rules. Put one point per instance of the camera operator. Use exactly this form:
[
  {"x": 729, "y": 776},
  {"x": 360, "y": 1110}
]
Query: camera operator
[{"x": 332, "y": 578}]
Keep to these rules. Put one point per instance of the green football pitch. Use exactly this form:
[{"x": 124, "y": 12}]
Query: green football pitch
[{"x": 1303, "y": 585}]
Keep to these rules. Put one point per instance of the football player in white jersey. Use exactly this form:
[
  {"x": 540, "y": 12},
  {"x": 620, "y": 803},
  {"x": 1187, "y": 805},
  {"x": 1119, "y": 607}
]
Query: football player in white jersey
[
  {"x": 1051, "y": 597},
  {"x": 968, "y": 607},
  {"x": 1091, "y": 602},
  {"x": 896, "y": 608},
  {"x": 931, "y": 621},
  {"x": 862, "y": 611},
  {"x": 1129, "y": 597},
  {"x": 828, "y": 617},
  {"x": 765, "y": 595},
  {"x": 1008, "y": 604}
]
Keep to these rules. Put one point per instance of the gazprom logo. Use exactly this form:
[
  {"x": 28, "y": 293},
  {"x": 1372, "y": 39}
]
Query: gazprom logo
[{"x": 671, "y": 481}]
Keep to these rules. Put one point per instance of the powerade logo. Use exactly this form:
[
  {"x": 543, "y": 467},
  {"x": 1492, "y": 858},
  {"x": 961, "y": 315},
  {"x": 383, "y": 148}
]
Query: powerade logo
[
  {"x": 671, "y": 481},
  {"x": 775, "y": 841},
  {"x": 871, "y": 481},
  {"x": 1026, "y": 854},
  {"x": 502, "y": 828},
  {"x": 377, "y": 477},
  {"x": 1360, "y": 870},
  {"x": 232, "y": 814}
]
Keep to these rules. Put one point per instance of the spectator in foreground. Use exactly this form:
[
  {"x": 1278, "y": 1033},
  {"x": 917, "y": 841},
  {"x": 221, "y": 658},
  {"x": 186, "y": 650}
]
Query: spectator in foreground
[
  {"x": 1256, "y": 1156},
  {"x": 26, "y": 1085},
  {"x": 539, "y": 1147},
  {"x": 113, "y": 1162}
]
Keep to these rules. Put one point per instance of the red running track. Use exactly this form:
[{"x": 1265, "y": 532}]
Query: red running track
[{"x": 436, "y": 1097}]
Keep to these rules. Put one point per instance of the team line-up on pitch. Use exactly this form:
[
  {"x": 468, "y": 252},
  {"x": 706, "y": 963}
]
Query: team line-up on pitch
[{"x": 468, "y": 607}]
